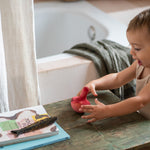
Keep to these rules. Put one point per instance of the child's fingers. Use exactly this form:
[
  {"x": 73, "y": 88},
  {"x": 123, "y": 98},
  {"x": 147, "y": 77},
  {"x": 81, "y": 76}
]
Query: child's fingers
[
  {"x": 87, "y": 116},
  {"x": 88, "y": 110},
  {"x": 92, "y": 120},
  {"x": 93, "y": 92},
  {"x": 87, "y": 106},
  {"x": 97, "y": 102}
]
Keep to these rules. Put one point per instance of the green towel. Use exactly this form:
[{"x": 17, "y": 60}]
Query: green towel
[{"x": 108, "y": 57}]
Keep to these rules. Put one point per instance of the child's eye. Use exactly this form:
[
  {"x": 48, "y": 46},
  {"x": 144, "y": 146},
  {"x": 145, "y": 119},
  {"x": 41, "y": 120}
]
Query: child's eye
[{"x": 137, "y": 49}]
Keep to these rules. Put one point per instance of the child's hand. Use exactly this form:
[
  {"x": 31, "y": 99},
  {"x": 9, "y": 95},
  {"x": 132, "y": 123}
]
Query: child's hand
[
  {"x": 97, "y": 112},
  {"x": 91, "y": 87}
]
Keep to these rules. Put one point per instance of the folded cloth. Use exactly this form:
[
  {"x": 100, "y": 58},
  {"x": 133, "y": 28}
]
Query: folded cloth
[{"x": 108, "y": 57}]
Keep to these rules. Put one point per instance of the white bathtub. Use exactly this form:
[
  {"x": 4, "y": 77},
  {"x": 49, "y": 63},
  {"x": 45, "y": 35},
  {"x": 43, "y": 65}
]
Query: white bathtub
[{"x": 59, "y": 26}]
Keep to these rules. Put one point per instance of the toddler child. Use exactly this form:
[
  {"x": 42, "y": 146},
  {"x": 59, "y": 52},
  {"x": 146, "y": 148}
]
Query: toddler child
[{"x": 138, "y": 35}]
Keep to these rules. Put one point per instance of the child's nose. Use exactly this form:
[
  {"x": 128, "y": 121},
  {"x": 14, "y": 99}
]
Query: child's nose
[{"x": 132, "y": 52}]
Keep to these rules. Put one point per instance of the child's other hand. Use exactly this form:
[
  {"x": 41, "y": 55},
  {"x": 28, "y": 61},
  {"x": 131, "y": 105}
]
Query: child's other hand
[
  {"x": 97, "y": 112},
  {"x": 91, "y": 87}
]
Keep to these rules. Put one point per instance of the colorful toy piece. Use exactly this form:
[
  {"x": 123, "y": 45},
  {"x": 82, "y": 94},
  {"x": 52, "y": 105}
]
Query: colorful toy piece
[{"x": 77, "y": 101}]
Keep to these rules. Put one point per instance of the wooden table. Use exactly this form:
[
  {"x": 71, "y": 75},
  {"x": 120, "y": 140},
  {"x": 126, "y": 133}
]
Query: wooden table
[{"x": 118, "y": 133}]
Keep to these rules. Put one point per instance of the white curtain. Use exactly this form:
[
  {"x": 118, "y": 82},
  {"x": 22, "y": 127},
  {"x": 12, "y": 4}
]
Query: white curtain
[
  {"x": 4, "y": 106},
  {"x": 18, "y": 72}
]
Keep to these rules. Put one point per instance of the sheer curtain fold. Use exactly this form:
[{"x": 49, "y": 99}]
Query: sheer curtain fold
[
  {"x": 20, "y": 59},
  {"x": 4, "y": 106}
]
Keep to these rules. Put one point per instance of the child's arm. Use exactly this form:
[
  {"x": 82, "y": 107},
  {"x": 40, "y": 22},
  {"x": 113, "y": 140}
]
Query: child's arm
[
  {"x": 101, "y": 111},
  {"x": 113, "y": 80}
]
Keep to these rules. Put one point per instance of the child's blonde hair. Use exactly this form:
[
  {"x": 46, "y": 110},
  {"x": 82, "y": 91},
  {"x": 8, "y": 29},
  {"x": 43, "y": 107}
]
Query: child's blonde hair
[{"x": 140, "y": 21}]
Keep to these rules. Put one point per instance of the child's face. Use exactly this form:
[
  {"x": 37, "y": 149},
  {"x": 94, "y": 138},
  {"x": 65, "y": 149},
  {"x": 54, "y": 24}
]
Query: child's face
[{"x": 140, "y": 46}]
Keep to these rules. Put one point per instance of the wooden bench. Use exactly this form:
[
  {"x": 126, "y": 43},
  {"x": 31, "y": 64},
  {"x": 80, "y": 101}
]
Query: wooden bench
[{"x": 126, "y": 132}]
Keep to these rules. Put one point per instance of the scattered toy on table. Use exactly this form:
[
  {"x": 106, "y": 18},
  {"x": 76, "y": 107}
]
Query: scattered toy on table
[
  {"x": 35, "y": 126},
  {"x": 77, "y": 101}
]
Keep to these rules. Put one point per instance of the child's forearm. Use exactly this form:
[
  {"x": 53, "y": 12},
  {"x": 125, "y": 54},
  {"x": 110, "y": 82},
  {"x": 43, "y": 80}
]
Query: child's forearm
[
  {"x": 115, "y": 80},
  {"x": 124, "y": 107},
  {"x": 110, "y": 81}
]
